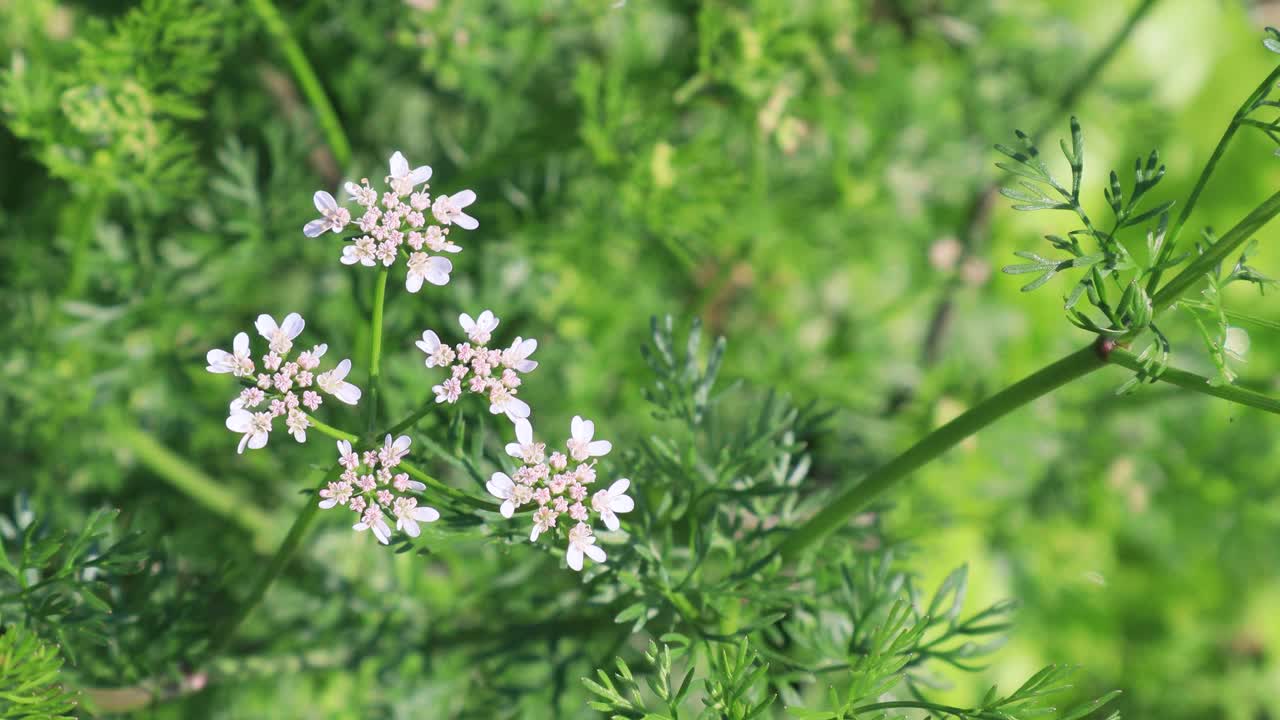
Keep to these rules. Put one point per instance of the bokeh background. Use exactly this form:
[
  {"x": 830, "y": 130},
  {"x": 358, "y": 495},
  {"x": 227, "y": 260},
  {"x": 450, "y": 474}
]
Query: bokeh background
[{"x": 797, "y": 173}]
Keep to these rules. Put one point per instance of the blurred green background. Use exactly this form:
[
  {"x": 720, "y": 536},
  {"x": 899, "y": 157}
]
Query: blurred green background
[{"x": 794, "y": 172}]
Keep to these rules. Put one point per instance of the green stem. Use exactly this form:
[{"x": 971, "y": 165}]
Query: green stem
[
  {"x": 1236, "y": 121},
  {"x": 375, "y": 347},
  {"x": 446, "y": 490},
  {"x": 307, "y": 79},
  {"x": 1208, "y": 261},
  {"x": 1234, "y": 315},
  {"x": 1200, "y": 384},
  {"x": 274, "y": 567},
  {"x": 1036, "y": 385},
  {"x": 412, "y": 420},
  {"x": 1091, "y": 71},
  {"x": 332, "y": 431},
  {"x": 192, "y": 482}
]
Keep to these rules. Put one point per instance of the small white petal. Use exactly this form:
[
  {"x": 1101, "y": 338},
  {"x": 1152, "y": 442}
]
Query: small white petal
[
  {"x": 266, "y": 325},
  {"x": 315, "y": 228},
  {"x": 465, "y": 221},
  {"x": 328, "y": 503},
  {"x": 599, "y": 447},
  {"x": 463, "y": 199},
  {"x": 399, "y": 166},
  {"x": 574, "y": 557},
  {"x": 420, "y": 174},
  {"x": 324, "y": 201},
  {"x": 508, "y": 508},
  {"x": 241, "y": 343},
  {"x": 524, "y": 431},
  {"x": 348, "y": 393},
  {"x": 595, "y": 552},
  {"x": 292, "y": 325},
  {"x": 426, "y": 514},
  {"x": 500, "y": 486},
  {"x": 413, "y": 282},
  {"x": 409, "y": 526}
]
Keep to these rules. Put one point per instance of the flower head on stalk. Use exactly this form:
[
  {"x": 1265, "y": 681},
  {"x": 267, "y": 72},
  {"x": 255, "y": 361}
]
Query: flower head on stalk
[
  {"x": 474, "y": 367},
  {"x": 560, "y": 486},
  {"x": 372, "y": 489},
  {"x": 283, "y": 387},
  {"x": 403, "y": 221}
]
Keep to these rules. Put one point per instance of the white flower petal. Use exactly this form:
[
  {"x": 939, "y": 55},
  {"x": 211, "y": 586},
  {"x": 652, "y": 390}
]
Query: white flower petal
[
  {"x": 597, "y": 448},
  {"x": 341, "y": 369},
  {"x": 399, "y": 166},
  {"x": 524, "y": 431},
  {"x": 413, "y": 282},
  {"x": 257, "y": 441},
  {"x": 610, "y": 520},
  {"x": 348, "y": 393},
  {"x": 292, "y": 325},
  {"x": 595, "y": 552},
  {"x": 241, "y": 343},
  {"x": 573, "y": 556},
  {"x": 328, "y": 503},
  {"x": 239, "y": 421},
  {"x": 463, "y": 199},
  {"x": 508, "y": 508},
  {"x": 218, "y": 361},
  {"x": 266, "y": 325},
  {"x": 409, "y": 525},
  {"x": 315, "y": 228},
  {"x": 420, "y": 174},
  {"x": 465, "y": 221},
  {"x": 500, "y": 486},
  {"x": 426, "y": 514},
  {"x": 324, "y": 201}
]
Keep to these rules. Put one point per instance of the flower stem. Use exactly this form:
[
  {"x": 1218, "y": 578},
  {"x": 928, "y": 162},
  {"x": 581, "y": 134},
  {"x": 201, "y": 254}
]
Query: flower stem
[
  {"x": 307, "y": 79},
  {"x": 1209, "y": 260},
  {"x": 1200, "y": 384},
  {"x": 274, "y": 567},
  {"x": 449, "y": 492},
  {"x": 375, "y": 347},
  {"x": 1040, "y": 383},
  {"x": 332, "y": 431},
  {"x": 412, "y": 419},
  {"x": 1236, "y": 121}
]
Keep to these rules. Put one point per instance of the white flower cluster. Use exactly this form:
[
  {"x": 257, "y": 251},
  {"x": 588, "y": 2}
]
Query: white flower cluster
[
  {"x": 370, "y": 487},
  {"x": 560, "y": 485},
  {"x": 400, "y": 216},
  {"x": 479, "y": 369},
  {"x": 278, "y": 387}
]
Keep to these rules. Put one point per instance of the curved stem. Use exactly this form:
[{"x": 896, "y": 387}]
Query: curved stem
[
  {"x": 307, "y": 79},
  {"x": 274, "y": 567},
  {"x": 1200, "y": 384},
  {"x": 1042, "y": 382}
]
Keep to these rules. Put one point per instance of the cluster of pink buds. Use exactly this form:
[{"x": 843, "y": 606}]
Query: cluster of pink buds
[
  {"x": 283, "y": 387},
  {"x": 474, "y": 367},
  {"x": 371, "y": 488},
  {"x": 560, "y": 485},
  {"x": 403, "y": 215}
]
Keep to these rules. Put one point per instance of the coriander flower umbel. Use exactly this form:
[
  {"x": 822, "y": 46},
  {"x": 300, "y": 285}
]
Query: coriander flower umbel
[
  {"x": 403, "y": 215},
  {"x": 476, "y": 368},
  {"x": 371, "y": 488},
  {"x": 284, "y": 386},
  {"x": 560, "y": 486}
]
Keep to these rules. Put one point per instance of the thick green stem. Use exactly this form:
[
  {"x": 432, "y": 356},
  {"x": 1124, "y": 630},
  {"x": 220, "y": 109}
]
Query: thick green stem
[
  {"x": 274, "y": 567},
  {"x": 1226, "y": 245},
  {"x": 375, "y": 349},
  {"x": 195, "y": 484},
  {"x": 307, "y": 79},
  {"x": 1036, "y": 385},
  {"x": 1200, "y": 384},
  {"x": 1236, "y": 121}
]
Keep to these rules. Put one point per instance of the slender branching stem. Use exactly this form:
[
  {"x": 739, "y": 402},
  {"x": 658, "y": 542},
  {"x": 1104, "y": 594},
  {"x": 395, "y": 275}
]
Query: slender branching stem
[
  {"x": 450, "y": 492},
  {"x": 1200, "y": 384},
  {"x": 307, "y": 79},
  {"x": 1238, "y": 120},
  {"x": 273, "y": 568},
  {"x": 332, "y": 431},
  {"x": 1227, "y": 245},
  {"x": 412, "y": 419},
  {"x": 1040, "y": 383}
]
